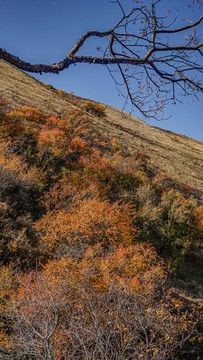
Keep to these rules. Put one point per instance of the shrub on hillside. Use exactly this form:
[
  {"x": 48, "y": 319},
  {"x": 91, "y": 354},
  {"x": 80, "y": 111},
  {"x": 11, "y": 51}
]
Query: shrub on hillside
[
  {"x": 173, "y": 225},
  {"x": 99, "y": 307},
  {"x": 60, "y": 92},
  {"x": 86, "y": 220},
  {"x": 20, "y": 188},
  {"x": 99, "y": 210},
  {"x": 94, "y": 108}
]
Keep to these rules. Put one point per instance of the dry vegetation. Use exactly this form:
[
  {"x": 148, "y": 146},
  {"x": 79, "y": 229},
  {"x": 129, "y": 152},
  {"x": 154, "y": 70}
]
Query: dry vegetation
[
  {"x": 178, "y": 156},
  {"x": 83, "y": 216}
]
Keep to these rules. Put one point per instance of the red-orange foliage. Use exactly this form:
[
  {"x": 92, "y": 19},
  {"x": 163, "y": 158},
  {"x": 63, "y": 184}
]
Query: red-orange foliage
[
  {"x": 23, "y": 121},
  {"x": 53, "y": 141},
  {"x": 136, "y": 268},
  {"x": 46, "y": 306},
  {"x": 87, "y": 221},
  {"x": 14, "y": 169},
  {"x": 28, "y": 113},
  {"x": 97, "y": 167},
  {"x": 80, "y": 123},
  {"x": 101, "y": 299},
  {"x": 100, "y": 306},
  {"x": 60, "y": 137},
  {"x": 63, "y": 195},
  {"x": 53, "y": 134},
  {"x": 79, "y": 146},
  {"x": 200, "y": 214}
]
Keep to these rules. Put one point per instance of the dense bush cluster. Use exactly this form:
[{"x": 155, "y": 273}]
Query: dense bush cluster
[
  {"x": 87, "y": 237},
  {"x": 95, "y": 108}
]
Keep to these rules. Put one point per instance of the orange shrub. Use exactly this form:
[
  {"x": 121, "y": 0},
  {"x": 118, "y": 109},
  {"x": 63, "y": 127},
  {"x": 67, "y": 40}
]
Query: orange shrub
[
  {"x": 29, "y": 114},
  {"x": 135, "y": 268},
  {"x": 9, "y": 125},
  {"x": 80, "y": 123},
  {"x": 52, "y": 141},
  {"x": 97, "y": 167},
  {"x": 87, "y": 221},
  {"x": 59, "y": 123},
  {"x": 116, "y": 147},
  {"x": 109, "y": 305},
  {"x": 63, "y": 195},
  {"x": 200, "y": 214},
  {"x": 78, "y": 145},
  {"x": 14, "y": 170}
]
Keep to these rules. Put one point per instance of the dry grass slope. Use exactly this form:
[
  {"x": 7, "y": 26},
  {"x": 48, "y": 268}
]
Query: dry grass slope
[{"x": 180, "y": 157}]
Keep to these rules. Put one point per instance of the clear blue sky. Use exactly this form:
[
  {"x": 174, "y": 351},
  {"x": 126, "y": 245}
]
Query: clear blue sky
[{"x": 44, "y": 31}]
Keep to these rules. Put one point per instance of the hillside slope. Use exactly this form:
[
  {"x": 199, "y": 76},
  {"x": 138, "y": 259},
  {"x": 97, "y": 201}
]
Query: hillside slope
[
  {"x": 82, "y": 217},
  {"x": 180, "y": 157}
]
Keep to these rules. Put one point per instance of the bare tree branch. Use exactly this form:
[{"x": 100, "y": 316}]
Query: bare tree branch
[{"x": 139, "y": 41}]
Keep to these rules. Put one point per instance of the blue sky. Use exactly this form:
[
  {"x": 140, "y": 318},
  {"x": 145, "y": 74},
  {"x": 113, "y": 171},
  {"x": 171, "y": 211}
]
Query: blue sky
[{"x": 44, "y": 31}]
